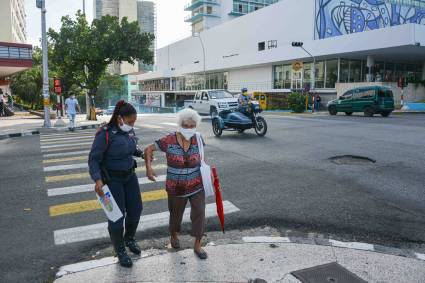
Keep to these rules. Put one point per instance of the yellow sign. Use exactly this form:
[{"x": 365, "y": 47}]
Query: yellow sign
[
  {"x": 46, "y": 101},
  {"x": 296, "y": 66}
]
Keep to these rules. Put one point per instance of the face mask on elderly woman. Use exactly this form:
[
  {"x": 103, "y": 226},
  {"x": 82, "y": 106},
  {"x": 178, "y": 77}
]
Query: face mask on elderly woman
[{"x": 187, "y": 133}]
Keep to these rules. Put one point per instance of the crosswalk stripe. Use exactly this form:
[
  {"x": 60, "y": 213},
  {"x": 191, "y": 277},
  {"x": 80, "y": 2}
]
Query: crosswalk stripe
[
  {"x": 67, "y": 138},
  {"x": 90, "y": 187},
  {"x": 91, "y": 205},
  {"x": 69, "y": 142},
  {"x": 68, "y": 134},
  {"x": 66, "y": 167},
  {"x": 76, "y": 176},
  {"x": 151, "y": 221},
  {"x": 65, "y": 159},
  {"x": 149, "y": 126},
  {"x": 65, "y": 145},
  {"x": 64, "y": 149},
  {"x": 169, "y": 124},
  {"x": 65, "y": 153}
]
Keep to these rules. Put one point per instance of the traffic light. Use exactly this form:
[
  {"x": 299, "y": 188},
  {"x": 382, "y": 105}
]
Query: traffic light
[
  {"x": 39, "y": 3},
  {"x": 297, "y": 44},
  {"x": 57, "y": 84}
]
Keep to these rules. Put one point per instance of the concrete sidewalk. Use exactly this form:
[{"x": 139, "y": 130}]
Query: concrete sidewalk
[
  {"x": 24, "y": 123},
  {"x": 256, "y": 259}
]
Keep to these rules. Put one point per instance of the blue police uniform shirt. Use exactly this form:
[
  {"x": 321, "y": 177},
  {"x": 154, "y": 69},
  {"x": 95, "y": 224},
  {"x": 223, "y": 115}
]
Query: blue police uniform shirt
[{"x": 117, "y": 155}]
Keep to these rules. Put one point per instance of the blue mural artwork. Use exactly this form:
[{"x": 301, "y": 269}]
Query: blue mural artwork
[{"x": 339, "y": 17}]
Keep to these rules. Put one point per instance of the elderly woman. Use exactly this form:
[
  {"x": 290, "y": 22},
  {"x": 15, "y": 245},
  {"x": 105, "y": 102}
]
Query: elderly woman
[{"x": 184, "y": 180}]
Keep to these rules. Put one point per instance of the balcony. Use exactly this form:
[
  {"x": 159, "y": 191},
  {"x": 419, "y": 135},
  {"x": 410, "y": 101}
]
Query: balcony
[
  {"x": 14, "y": 57},
  {"x": 197, "y": 16},
  {"x": 197, "y": 3}
]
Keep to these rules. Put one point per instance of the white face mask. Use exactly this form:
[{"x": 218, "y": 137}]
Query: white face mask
[
  {"x": 187, "y": 133},
  {"x": 126, "y": 128}
]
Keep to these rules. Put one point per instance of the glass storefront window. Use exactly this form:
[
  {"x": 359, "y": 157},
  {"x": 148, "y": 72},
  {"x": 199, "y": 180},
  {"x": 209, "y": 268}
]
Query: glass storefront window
[
  {"x": 278, "y": 77},
  {"x": 331, "y": 73},
  {"x": 344, "y": 71},
  {"x": 307, "y": 75},
  {"x": 287, "y": 76},
  {"x": 355, "y": 71},
  {"x": 389, "y": 73},
  {"x": 320, "y": 74}
]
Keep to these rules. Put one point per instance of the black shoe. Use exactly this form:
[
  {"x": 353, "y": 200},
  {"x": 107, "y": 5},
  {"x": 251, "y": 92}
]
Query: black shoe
[
  {"x": 129, "y": 240},
  {"x": 201, "y": 254},
  {"x": 118, "y": 243}
]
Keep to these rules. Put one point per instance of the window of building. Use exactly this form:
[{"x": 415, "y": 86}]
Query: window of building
[
  {"x": 271, "y": 44},
  {"x": 240, "y": 8},
  {"x": 209, "y": 10},
  {"x": 355, "y": 71},
  {"x": 331, "y": 73},
  {"x": 261, "y": 46},
  {"x": 344, "y": 71},
  {"x": 307, "y": 75},
  {"x": 320, "y": 74}
]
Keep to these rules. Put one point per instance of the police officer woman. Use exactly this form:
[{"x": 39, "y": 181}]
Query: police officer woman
[{"x": 111, "y": 161}]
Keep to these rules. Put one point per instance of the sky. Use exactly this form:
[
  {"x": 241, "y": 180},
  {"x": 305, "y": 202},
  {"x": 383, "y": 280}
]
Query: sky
[{"x": 170, "y": 18}]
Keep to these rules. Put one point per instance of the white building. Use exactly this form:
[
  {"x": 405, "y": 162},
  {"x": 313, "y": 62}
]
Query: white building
[
  {"x": 146, "y": 15},
  {"x": 205, "y": 14},
  {"x": 354, "y": 43},
  {"x": 13, "y": 21}
]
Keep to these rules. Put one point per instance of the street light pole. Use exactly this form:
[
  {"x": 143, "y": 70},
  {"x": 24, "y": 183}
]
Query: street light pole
[
  {"x": 88, "y": 114},
  {"x": 203, "y": 53},
  {"x": 46, "y": 96}
]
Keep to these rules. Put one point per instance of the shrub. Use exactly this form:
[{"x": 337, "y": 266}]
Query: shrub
[{"x": 296, "y": 102}]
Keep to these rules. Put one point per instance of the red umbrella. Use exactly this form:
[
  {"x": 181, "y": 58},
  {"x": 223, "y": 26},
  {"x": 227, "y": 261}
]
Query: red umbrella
[{"x": 218, "y": 197}]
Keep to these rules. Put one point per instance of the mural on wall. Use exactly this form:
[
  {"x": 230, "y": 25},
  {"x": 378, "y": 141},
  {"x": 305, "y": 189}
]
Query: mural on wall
[{"x": 339, "y": 17}]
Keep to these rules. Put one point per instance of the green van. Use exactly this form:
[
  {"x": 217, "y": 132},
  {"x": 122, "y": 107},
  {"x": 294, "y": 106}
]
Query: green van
[{"x": 369, "y": 100}]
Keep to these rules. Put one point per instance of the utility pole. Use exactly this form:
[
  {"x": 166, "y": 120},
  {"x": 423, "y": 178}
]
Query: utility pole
[
  {"x": 88, "y": 116},
  {"x": 203, "y": 53},
  {"x": 46, "y": 96}
]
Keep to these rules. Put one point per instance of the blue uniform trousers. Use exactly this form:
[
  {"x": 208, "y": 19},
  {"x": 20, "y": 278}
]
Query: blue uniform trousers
[{"x": 126, "y": 193}]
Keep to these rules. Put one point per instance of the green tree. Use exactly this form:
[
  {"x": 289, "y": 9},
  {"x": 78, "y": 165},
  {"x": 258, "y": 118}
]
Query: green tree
[
  {"x": 110, "y": 90},
  {"x": 78, "y": 45}
]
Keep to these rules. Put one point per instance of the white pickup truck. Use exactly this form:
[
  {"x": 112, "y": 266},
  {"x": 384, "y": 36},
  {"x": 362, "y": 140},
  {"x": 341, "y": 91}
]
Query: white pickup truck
[{"x": 211, "y": 102}]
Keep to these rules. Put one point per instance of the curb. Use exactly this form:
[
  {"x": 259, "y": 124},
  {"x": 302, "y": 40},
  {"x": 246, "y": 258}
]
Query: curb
[
  {"x": 305, "y": 239},
  {"x": 20, "y": 134},
  {"x": 46, "y": 130}
]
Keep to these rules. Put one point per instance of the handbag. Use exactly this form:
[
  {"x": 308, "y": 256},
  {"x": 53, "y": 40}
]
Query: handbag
[{"x": 205, "y": 169}]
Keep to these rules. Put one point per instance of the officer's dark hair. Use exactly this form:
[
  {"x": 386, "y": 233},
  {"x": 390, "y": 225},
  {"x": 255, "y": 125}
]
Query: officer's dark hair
[{"x": 123, "y": 109}]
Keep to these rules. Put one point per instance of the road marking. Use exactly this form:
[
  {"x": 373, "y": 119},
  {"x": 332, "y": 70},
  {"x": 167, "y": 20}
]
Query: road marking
[
  {"x": 151, "y": 221},
  {"x": 69, "y": 134},
  {"x": 66, "y": 159},
  {"x": 263, "y": 239},
  {"x": 91, "y": 205},
  {"x": 420, "y": 256},
  {"x": 66, "y": 153},
  {"x": 76, "y": 176},
  {"x": 67, "y": 138},
  {"x": 169, "y": 124},
  {"x": 64, "y": 148},
  {"x": 352, "y": 245},
  {"x": 90, "y": 187},
  {"x": 70, "y": 142},
  {"x": 65, "y": 145},
  {"x": 66, "y": 167}
]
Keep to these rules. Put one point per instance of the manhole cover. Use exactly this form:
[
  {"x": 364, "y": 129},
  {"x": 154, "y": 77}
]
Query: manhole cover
[
  {"x": 351, "y": 160},
  {"x": 327, "y": 273}
]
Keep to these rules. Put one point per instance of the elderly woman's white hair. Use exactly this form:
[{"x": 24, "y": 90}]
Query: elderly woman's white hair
[{"x": 186, "y": 115}]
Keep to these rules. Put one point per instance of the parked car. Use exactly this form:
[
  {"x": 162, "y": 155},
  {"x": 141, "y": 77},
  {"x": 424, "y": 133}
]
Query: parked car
[
  {"x": 212, "y": 102},
  {"x": 369, "y": 100},
  {"x": 110, "y": 110}
]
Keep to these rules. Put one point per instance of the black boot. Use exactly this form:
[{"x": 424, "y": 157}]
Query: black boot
[
  {"x": 118, "y": 243},
  {"x": 130, "y": 242}
]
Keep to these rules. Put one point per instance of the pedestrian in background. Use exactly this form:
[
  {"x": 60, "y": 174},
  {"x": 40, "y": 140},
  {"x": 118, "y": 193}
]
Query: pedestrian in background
[
  {"x": 111, "y": 162},
  {"x": 184, "y": 179},
  {"x": 317, "y": 101},
  {"x": 71, "y": 107}
]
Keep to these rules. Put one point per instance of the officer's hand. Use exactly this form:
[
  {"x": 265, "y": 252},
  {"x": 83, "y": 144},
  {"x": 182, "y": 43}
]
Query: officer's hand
[
  {"x": 98, "y": 188},
  {"x": 151, "y": 175}
]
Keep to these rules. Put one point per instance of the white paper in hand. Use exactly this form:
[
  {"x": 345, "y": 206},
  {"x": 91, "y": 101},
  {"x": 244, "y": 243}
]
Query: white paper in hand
[{"x": 109, "y": 205}]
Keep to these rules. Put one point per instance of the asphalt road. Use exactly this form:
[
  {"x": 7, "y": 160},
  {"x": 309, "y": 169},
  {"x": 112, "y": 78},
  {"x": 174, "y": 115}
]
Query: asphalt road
[{"x": 284, "y": 180}]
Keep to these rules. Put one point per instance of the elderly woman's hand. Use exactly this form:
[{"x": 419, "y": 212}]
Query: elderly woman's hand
[{"x": 151, "y": 174}]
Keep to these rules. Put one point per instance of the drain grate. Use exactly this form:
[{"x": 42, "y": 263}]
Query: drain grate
[
  {"x": 351, "y": 160},
  {"x": 327, "y": 273}
]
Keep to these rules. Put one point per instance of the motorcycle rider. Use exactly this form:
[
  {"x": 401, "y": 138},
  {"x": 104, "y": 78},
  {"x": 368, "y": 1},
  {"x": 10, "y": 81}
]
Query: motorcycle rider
[{"x": 243, "y": 100}]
